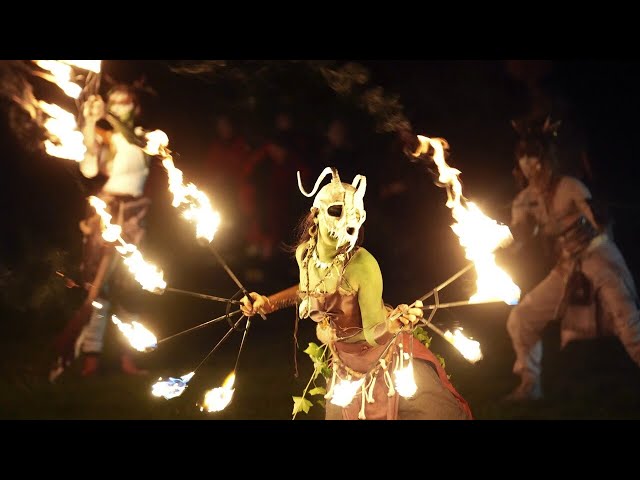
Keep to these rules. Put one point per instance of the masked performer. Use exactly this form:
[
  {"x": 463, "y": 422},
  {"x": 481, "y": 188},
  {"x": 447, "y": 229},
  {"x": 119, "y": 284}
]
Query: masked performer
[
  {"x": 341, "y": 290},
  {"x": 590, "y": 289},
  {"x": 113, "y": 151}
]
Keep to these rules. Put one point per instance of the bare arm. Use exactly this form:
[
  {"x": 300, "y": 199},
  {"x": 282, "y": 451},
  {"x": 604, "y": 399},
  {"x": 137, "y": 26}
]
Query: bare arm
[
  {"x": 274, "y": 302},
  {"x": 93, "y": 111},
  {"x": 363, "y": 274}
]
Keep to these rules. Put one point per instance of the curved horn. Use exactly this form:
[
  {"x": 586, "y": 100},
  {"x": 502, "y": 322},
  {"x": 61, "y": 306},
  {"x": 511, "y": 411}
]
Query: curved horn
[
  {"x": 335, "y": 177},
  {"x": 360, "y": 183},
  {"x": 324, "y": 173}
]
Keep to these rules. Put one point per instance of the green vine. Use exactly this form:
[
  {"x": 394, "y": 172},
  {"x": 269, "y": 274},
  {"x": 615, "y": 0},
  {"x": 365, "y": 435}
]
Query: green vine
[
  {"x": 320, "y": 366},
  {"x": 421, "y": 334},
  {"x": 320, "y": 359}
]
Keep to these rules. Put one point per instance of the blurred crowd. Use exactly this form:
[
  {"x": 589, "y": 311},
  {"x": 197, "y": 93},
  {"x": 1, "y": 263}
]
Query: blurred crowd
[{"x": 251, "y": 179}]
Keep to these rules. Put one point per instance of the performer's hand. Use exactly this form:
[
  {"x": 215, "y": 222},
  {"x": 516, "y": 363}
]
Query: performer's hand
[
  {"x": 260, "y": 305},
  {"x": 404, "y": 317},
  {"x": 93, "y": 109}
]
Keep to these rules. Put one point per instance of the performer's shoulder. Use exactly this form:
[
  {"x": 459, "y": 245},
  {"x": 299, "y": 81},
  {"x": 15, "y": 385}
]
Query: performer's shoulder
[
  {"x": 570, "y": 182},
  {"x": 300, "y": 250},
  {"x": 362, "y": 256}
]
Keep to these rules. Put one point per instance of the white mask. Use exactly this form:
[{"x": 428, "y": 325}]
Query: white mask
[
  {"x": 121, "y": 105},
  {"x": 340, "y": 206}
]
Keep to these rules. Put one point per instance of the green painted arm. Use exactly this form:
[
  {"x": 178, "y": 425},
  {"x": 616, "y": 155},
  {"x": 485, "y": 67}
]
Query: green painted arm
[{"x": 363, "y": 273}]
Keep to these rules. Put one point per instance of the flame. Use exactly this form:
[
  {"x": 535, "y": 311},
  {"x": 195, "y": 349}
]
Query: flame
[
  {"x": 91, "y": 65},
  {"x": 66, "y": 141},
  {"x": 405, "y": 381},
  {"x": 97, "y": 305},
  {"x": 198, "y": 208},
  {"x": 217, "y": 399},
  {"x": 139, "y": 337},
  {"x": 157, "y": 142},
  {"x": 478, "y": 234},
  {"x": 146, "y": 274},
  {"x": 344, "y": 391},
  {"x": 171, "y": 388},
  {"x": 60, "y": 74},
  {"x": 470, "y": 349}
]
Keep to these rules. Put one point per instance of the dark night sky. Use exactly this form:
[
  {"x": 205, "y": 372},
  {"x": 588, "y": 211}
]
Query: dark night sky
[{"x": 470, "y": 103}]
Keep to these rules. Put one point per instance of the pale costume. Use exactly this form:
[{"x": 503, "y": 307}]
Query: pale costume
[{"x": 590, "y": 289}]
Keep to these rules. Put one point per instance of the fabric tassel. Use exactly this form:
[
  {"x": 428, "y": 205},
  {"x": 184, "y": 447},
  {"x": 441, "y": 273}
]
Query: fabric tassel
[
  {"x": 372, "y": 384},
  {"x": 329, "y": 394},
  {"x": 387, "y": 378},
  {"x": 361, "y": 415}
]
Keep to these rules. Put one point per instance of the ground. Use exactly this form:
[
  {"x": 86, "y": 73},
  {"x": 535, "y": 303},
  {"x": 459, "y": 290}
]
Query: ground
[{"x": 588, "y": 380}]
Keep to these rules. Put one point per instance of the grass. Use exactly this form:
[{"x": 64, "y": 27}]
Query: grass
[{"x": 592, "y": 380}]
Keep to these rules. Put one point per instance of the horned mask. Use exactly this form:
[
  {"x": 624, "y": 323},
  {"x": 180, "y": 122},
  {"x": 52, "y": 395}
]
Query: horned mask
[{"x": 340, "y": 206}]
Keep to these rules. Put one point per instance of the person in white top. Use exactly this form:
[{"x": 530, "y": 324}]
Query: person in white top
[
  {"x": 113, "y": 151},
  {"x": 590, "y": 289}
]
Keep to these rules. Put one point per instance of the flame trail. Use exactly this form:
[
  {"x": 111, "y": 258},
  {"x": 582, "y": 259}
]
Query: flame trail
[
  {"x": 478, "y": 234},
  {"x": 198, "y": 208},
  {"x": 470, "y": 349},
  {"x": 137, "y": 334},
  {"x": 146, "y": 274}
]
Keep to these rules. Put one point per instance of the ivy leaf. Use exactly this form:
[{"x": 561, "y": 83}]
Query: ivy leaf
[
  {"x": 422, "y": 336},
  {"x": 318, "y": 391},
  {"x": 301, "y": 404},
  {"x": 441, "y": 358},
  {"x": 314, "y": 351},
  {"x": 326, "y": 371}
]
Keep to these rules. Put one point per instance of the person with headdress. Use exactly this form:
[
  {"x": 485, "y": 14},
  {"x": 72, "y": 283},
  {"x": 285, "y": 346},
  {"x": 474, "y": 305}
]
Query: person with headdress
[
  {"x": 340, "y": 288},
  {"x": 113, "y": 151},
  {"x": 590, "y": 289}
]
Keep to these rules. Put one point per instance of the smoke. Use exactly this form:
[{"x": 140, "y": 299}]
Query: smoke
[
  {"x": 349, "y": 79},
  {"x": 353, "y": 79}
]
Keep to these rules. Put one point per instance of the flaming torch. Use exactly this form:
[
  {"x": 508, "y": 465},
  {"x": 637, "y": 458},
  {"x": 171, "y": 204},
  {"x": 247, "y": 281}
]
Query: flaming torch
[
  {"x": 198, "y": 208},
  {"x": 172, "y": 387},
  {"x": 149, "y": 276},
  {"x": 65, "y": 141},
  {"x": 175, "y": 387},
  {"x": 138, "y": 336},
  {"x": 61, "y": 74},
  {"x": 404, "y": 379},
  {"x": 478, "y": 234},
  {"x": 470, "y": 349},
  {"x": 217, "y": 399},
  {"x": 345, "y": 390}
]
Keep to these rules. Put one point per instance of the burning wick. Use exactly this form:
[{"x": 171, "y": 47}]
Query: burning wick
[
  {"x": 217, "y": 399},
  {"x": 171, "y": 388},
  {"x": 139, "y": 337}
]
